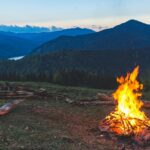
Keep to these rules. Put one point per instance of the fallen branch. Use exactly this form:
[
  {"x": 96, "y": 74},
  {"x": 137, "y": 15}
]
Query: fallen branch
[
  {"x": 7, "y": 107},
  {"x": 99, "y": 102},
  {"x": 104, "y": 97},
  {"x": 94, "y": 102}
]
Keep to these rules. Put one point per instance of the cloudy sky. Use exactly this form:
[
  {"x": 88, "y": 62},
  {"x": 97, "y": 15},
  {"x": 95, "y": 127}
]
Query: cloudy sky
[{"x": 67, "y": 13}]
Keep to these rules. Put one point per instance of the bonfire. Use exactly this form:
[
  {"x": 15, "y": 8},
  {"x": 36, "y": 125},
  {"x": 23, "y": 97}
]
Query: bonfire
[{"x": 128, "y": 119}]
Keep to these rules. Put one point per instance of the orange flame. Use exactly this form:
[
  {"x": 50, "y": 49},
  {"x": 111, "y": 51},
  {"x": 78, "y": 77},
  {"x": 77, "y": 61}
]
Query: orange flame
[
  {"x": 128, "y": 118},
  {"x": 128, "y": 94}
]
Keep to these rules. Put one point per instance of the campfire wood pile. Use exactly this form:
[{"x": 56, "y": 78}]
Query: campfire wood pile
[
  {"x": 128, "y": 119},
  {"x": 112, "y": 125}
]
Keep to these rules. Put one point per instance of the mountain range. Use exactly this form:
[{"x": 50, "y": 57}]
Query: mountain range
[
  {"x": 129, "y": 35},
  {"x": 28, "y": 29},
  {"x": 43, "y": 37},
  {"x": 20, "y": 44}
]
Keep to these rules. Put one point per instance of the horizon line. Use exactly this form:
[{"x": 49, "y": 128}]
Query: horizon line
[{"x": 92, "y": 26}]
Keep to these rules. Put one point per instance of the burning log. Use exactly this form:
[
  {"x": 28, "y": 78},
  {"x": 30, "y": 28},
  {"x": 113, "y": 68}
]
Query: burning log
[
  {"x": 127, "y": 119},
  {"x": 120, "y": 125}
]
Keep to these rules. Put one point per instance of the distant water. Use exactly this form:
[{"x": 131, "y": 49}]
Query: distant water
[{"x": 16, "y": 58}]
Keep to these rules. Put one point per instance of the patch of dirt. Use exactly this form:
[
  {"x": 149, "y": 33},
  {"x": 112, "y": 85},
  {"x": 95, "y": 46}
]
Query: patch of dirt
[{"x": 83, "y": 129}]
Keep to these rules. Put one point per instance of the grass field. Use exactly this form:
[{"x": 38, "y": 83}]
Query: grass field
[{"x": 52, "y": 124}]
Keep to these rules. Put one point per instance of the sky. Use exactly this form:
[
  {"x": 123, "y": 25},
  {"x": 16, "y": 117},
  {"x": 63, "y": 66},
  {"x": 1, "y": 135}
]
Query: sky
[{"x": 68, "y": 13}]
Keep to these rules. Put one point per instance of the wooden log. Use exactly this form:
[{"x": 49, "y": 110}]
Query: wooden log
[
  {"x": 100, "y": 102},
  {"x": 96, "y": 102},
  {"x": 104, "y": 97},
  {"x": 6, "y": 108}
]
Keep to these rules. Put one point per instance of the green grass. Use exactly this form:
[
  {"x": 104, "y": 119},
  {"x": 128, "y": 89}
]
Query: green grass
[
  {"x": 75, "y": 92},
  {"x": 52, "y": 124},
  {"x": 28, "y": 128}
]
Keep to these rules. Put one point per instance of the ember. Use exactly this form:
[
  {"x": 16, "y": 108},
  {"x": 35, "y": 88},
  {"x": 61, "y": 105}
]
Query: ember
[{"x": 128, "y": 119}]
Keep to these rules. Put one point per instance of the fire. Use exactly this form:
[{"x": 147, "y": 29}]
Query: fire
[{"x": 127, "y": 118}]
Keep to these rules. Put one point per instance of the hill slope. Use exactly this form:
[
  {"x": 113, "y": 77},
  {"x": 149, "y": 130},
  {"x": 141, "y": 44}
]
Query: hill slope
[
  {"x": 18, "y": 44},
  {"x": 11, "y": 46},
  {"x": 129, "y": 35},
  {"x": 88, "y": 68},
  {"x": 43, "y": 37}
]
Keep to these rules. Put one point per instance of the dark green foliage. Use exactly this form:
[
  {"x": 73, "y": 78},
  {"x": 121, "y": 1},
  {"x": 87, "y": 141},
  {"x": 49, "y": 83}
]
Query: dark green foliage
[
  {"x": 82, "y": 78},
  {"x": 81, "y": 68}
]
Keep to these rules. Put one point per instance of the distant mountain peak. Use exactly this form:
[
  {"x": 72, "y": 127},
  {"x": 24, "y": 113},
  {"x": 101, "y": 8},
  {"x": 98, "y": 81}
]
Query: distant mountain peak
[
  {"x": 133, "y": 21},
  {"x": 132, "y": 24}
]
